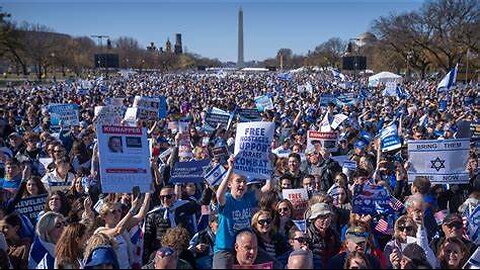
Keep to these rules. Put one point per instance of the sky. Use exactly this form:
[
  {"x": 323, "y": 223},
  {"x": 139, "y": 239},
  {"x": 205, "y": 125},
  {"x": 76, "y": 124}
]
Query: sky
[{"x": 209, "y": 27}]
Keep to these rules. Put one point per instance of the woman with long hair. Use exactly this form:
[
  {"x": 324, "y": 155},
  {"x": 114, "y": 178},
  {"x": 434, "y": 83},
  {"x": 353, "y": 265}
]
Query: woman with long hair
[
  {"x": 453, "y": 254},
  {"x": 49, "y": 229},
  {"x": 70, "y": 247},
  {"x": 18, "y": 248},
  {"x": 81, "y": 157},
  {"x": 284, "y": 211},
  {"x": 56, "y": 202},
  {"x": 268, "y": 239}
]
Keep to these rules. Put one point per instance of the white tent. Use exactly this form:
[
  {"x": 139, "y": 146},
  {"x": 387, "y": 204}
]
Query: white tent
[{"x": 383, "y": 77}]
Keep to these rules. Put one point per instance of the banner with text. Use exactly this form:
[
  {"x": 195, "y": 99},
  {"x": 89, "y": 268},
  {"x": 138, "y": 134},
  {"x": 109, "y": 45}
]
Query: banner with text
[
  {"x": 299, "y": 199},
  {"x": 65, "y": 113},
  {"x": 264, "y": 103},
  {"x": 317, "y": 140},
  {"x": 124, "y": 159},
  {"x": 389, "y": 138},
  {"x": 189, "y": 171},
  {"x": 441, "y": 161},
  {"x": 31, "y": 207},
  {"x": 253, "y": 145}
]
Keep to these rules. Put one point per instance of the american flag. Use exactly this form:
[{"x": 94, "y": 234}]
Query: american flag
[
  {"x": 382, "y": 227},
  {"x": 396, "y": 204}
]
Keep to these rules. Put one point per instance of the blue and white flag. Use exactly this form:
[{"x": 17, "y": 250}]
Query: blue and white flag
[
  {"x": 287, "y": 76},
  {"x": 215, "y": 175},
  {"x": 449, "y": 80},
  {"x": 441, "y": 161},
  {"x": 389, "y": 138},
  {"x": 338, "y": 75},
  {"x": 474, "y": 225}
]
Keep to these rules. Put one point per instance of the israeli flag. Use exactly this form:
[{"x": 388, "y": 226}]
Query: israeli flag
[
  {"x": 338, "y": 75},
  {"x": 214, "y": 176},
  {"x": 448, "y": 81},
  {"x": 287, "y": 76}
]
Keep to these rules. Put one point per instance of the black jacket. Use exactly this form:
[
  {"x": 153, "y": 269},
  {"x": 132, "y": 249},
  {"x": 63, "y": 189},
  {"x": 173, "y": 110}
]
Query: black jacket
[{"x": 156, "y": 225}]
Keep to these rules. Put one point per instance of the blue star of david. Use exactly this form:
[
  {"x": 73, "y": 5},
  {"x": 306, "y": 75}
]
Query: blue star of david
[{"x": 438, "y": 164}]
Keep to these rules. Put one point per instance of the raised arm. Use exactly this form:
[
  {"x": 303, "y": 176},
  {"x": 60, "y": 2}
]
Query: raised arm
[
  {"x": 222, "y": 189},
  {"x": 123, "y": 224}
]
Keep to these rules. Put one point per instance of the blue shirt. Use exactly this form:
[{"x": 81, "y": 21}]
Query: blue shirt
[
  {"x": 10, "y": 185},
  {"x": 233, "y": 217}
]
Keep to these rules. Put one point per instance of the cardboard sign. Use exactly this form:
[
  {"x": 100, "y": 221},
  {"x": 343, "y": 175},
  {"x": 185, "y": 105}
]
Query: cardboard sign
[
  {"x": 124, "y": 157},
  {"x": 299, "y": 199},
  {"x": 253, "y": 145}
]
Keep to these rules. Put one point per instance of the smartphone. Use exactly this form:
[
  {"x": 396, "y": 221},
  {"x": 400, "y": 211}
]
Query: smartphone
[{"x": 136, "y": 192}]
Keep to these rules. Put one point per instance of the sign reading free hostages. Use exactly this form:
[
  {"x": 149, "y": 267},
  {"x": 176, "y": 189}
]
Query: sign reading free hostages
[
  {"x": 31, "y": 207},
  {"x": 253, "y": 145}
]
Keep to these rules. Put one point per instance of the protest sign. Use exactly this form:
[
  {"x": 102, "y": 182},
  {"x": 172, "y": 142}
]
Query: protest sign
[
  {"x": 109, "y": 115},
  {"x": 217, "y": 117},
  {"x": 338, "y": 119},
  {"x": 299, "y": 199},
  {"x": 65, "y": 113},
  {"x": 32, "y": 206},
  {"x": 124, "y": 159},
  {"x": 214, "y": 176},
  {"x": 189, "y": 171},
  {"x": 184, "y": 145},
  {"x": 264, "y": 103},
  {"x": 58, "y": 186},
  {"x": 110, "y": 101},
  {"x": 325, "y": 99},
  {"x": 475, "y": 129},
  {"x": 249, "y": 115},
  {"x": 318, "y": 140},
  {"x": 370, "y": 199},
  {"x": 148, "y": 107},
  {"x": 131, "y": 115},
  {"x": 441, "y": 161},
  {"x": 389, "y": 138},
  {"x": 253, "y": 145}
]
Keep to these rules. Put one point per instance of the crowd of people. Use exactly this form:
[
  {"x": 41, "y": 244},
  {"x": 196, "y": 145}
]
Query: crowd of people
[{"x": 241, "y": 223}]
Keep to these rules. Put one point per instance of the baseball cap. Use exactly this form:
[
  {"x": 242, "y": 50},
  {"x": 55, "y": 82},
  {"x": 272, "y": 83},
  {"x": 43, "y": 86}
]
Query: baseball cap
[
  {"x": 100, "y": 256},
  {"x": 451, "y": 218},
  {"x": 356, "y": 234},
  {"x": 319, "y": 209},
  {"x": 360, "y": 145}
]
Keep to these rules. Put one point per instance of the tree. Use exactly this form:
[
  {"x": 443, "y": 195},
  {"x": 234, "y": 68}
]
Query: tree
[{"x": 331, "y": 51}]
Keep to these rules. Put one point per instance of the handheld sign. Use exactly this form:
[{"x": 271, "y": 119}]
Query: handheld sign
[
  {"x": 65, "y": 113},
  {"x": 31, "y": 207},
  {"x": 299, "y": 199},
  {"x": 264, "y": 103},
  {"x": 389, "y": 139},
  {"x": 189, "y": 171},
  {"x": 253, "y": 145},
  {"x": 318, "y": 140},
  {"x": 124, "y": 159},
  {"x": 441, "y": 161}
]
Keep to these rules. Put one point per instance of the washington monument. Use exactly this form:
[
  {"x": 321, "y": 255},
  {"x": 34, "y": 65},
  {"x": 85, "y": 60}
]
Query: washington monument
[{"x": 240, "y": 60}]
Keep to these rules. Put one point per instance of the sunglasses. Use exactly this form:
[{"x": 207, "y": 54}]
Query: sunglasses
[
  {"x": 301, "y": 240},
  {"x": 283, "y": 209},
  {"x": 165, "y": 252},
  {"x": 405, "y": 228},
  {"x": 58, "y": 151},
  {"x": 168, "y": 197},
  {"x": 456, "y": 225},
  {"x": 264, "y": 222}
]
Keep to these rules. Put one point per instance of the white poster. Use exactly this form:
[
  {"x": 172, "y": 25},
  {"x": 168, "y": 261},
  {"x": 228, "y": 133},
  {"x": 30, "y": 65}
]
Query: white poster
[
  {"x": 124, "y": 159},
  {"x": 299, "y": 199},
  {"x": 318, "y": 140},
  {"x": 338, "y": 119},
  {"x": 441, "y": 161},
  {"x": 148, "y": 107},
  {"x": 109, "y": 115},
  {"x": 253, "y": 145}
]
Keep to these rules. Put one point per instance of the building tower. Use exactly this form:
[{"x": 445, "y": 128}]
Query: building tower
[
  {"x": 240, "y": 60},
  {"x": 178, "y": 44},
  {"x": 168, "y": 46}
]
